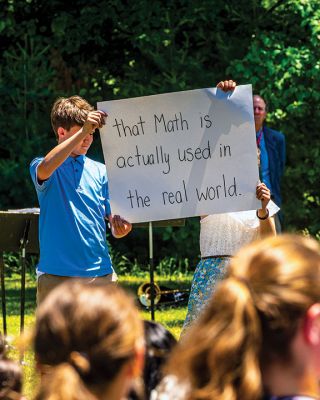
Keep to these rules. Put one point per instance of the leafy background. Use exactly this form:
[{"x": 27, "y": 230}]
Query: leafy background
[{"x": 116, "y": 49}]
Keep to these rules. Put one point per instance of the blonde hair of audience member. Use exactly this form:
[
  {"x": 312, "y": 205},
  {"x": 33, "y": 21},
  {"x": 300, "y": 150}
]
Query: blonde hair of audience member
[
  {"x": 10, "y": 380},
  {"x": 10, "y": 375},
  {"x": 88, "y": 342},
  {"x": 260, "y": 333}
]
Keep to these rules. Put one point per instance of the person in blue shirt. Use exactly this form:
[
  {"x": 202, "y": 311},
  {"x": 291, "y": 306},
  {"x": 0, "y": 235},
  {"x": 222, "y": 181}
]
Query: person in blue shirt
[
  {"x": 74, "y": 203},
  {"x": 272, "y": 153}
]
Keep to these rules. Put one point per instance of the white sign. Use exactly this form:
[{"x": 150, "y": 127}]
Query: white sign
[{"x": 181, "y": 154}]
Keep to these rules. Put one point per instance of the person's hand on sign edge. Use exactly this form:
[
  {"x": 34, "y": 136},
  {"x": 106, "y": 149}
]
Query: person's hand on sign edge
[
  {"x": 264, "y": 195},
  {"x": 95, "y": 120},
  {"x": 227, "y": 86},
  {"x": 119, "y": 226}
]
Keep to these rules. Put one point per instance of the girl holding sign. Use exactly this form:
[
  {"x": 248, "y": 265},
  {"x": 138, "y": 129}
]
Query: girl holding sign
[{"x": 221, "y": 236}]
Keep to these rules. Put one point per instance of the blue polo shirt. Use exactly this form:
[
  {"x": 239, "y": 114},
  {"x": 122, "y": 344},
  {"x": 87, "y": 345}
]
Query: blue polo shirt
[{"x": 74, "y": 202}]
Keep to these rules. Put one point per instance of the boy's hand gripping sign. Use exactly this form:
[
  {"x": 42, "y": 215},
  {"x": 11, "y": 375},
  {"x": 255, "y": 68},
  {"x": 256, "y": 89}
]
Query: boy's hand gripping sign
[{"x": 181, "y": 154}]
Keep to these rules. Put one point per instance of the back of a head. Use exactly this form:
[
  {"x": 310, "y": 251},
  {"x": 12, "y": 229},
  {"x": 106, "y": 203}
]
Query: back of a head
[
  {"x": 10, "y": 380},
  {"x": 282, "y": 275},
  {"x": 84, "y": 334},
  {"x": 10, "y": 375},
  {"x": 67, "y": 112},
  {"x": 159, "y": 343},
  {"x": 251, "y": 319}
]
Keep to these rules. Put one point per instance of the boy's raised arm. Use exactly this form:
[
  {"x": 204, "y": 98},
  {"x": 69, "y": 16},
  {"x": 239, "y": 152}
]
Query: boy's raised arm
[{"x": 68, "y": 140}]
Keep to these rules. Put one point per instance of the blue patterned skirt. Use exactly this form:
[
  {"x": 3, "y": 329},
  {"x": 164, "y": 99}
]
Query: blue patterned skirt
[{"x": 208, "y": 274}]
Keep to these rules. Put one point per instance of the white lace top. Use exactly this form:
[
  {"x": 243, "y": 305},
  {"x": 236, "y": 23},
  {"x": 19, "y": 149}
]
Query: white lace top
[
  {"x": 224, "y": 234},
  {"x": 170, "y": 389}
]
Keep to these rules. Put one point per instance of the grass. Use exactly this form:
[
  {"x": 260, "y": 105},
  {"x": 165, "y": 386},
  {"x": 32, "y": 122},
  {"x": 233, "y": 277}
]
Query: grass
[{"x": 171, "y": 317}]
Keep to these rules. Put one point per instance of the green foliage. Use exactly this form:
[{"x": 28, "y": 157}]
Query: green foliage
[
  {"x": 286, "y": 54},
  {"x": 24, "y": 77},
  {"x": 12, "y": 263},
  {"x": 171, "y": 255},
  {"x": 168, "y": 245},
  {"x": 115, "y": 49}
]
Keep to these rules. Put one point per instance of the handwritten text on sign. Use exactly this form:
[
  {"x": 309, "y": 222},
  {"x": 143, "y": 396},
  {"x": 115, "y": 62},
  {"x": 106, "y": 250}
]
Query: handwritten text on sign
[{"x": 181, "y": 154}]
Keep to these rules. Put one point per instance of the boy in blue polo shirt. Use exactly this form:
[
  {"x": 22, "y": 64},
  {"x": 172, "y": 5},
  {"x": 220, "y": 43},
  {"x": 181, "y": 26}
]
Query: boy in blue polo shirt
[{"x": 74, "y": 201}]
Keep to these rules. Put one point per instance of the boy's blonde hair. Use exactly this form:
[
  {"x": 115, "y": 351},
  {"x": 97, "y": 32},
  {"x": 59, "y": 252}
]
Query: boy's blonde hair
[{"x": 69, "y": 111}]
